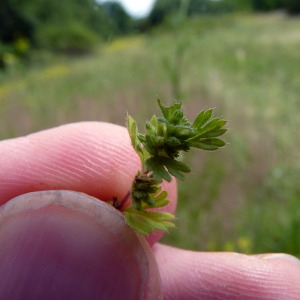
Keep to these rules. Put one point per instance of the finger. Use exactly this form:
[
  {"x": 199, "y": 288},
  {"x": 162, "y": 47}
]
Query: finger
[
  {"x": 90, "y": 157},
  {"x": 95, "y": 158},
  {"x": 195, "y": 275},
  {"x": 66, "y": 245}
]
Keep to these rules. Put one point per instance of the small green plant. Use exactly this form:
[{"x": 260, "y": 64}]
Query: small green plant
[{"x": 160, "y": 150}]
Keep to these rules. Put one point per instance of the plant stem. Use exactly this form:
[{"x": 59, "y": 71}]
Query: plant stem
[{"x": 119, "y": 204}]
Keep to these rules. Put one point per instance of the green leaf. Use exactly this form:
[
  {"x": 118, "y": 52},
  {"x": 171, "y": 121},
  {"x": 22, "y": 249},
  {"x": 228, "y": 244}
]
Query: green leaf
[
  {"x": 208, "y": 144},
  {"x": 133, "y": 133},
  {"x": 150, "y": 128},
  {"x": 215, "y": 141},
  {"x": 210, "y": 127},
  {"x": 159, "y": 216},
  {"x": 159, "y": 171},
  {"x": 137, "y": 224},
  {"x": 154, "y": 121},
  {"x": 161, "y": 223},
  {"x": 202, "y": 118},
  {"x": 214, "y": 133},
  {"x": 173, "y": 114},
  {"x": 161, "y": 198},
  {"x": 146, "y": 222},
  {"x": 180, "y": 131},
  {"x": 150, "y": 201},
  {"x": 162, "y": 203},
  {"x": 175, "y": 167},
  {"x": 168, "y": 112},
  {"x": 160, "y": 195}
]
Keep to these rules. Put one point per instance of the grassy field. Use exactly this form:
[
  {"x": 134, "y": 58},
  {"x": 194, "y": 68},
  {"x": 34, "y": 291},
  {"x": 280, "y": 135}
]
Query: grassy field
[{"x": 245, "y": 197}]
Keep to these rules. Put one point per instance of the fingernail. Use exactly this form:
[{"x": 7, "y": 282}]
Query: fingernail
[
  {"x": 280, "y": 257},
  {"x": 67, "y": 245}
]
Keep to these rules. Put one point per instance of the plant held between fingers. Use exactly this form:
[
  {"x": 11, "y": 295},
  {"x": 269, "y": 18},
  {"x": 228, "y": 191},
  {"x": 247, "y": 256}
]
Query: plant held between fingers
[{"x": 160, "y": 150}]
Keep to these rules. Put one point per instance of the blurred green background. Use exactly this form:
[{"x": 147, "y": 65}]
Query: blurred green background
[{"x": 69, "y": 61}]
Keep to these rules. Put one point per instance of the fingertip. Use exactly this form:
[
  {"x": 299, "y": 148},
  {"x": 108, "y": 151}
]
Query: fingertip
[
  {"x": 280, "y": 258},
  {"x": 71, "y": 246}
]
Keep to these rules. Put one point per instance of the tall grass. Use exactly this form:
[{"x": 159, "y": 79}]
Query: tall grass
[{"x": 243, "y": 198}]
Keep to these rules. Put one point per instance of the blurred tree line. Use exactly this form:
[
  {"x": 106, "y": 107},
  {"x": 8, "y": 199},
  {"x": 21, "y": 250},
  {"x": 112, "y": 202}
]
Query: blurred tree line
[
  {"x": 66, "y": 26},
  {"x": 187, "y": 8},
  {"x": 76, "y": 26}
]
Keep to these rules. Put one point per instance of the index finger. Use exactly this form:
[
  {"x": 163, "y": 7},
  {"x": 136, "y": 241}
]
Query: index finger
[{"x": 95, "y": 158}]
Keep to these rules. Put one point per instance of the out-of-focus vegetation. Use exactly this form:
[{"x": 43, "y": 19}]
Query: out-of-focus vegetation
[
  {"x": 245, "y": 197},
  {"x": 70, "y": 27},
  {"x": 175, "y": 10},
  {"x": 76, "y": 27}
]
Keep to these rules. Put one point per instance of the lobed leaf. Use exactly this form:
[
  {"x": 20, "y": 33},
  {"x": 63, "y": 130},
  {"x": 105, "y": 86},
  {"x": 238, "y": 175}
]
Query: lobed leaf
[
  {"x": 134, "y": 137},
  {"x": 159, "y": 171},
  {"x": 175, "y": 167},
  {"x": 160, "y": 195},
  {"x": 209, "y": 128},
  {"x": 173, "y": 114},
  {"x": 161, "y": 198},
  {"x": 146, "y": 222},
  {"x": 168, "y": 112},
  {"x": 208, "y": 144},
  {"x": 202, "y": 118},
  {"x": 137, "y": 224},
  {"x": 214, "y": 133}
]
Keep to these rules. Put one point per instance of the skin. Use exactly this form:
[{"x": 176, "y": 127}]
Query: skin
[{"x": 50, "y": 244}]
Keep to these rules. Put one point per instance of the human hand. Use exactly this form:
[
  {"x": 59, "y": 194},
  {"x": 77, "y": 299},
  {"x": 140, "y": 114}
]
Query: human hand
[{"x": 49, "y": 249}]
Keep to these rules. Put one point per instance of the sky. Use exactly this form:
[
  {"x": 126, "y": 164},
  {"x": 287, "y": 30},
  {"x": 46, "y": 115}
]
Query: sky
[{"x": 135, "y": 8}]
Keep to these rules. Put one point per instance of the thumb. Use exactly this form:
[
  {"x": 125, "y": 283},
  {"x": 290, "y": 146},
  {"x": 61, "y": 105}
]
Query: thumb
[{"x": 67, "y": 245}]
